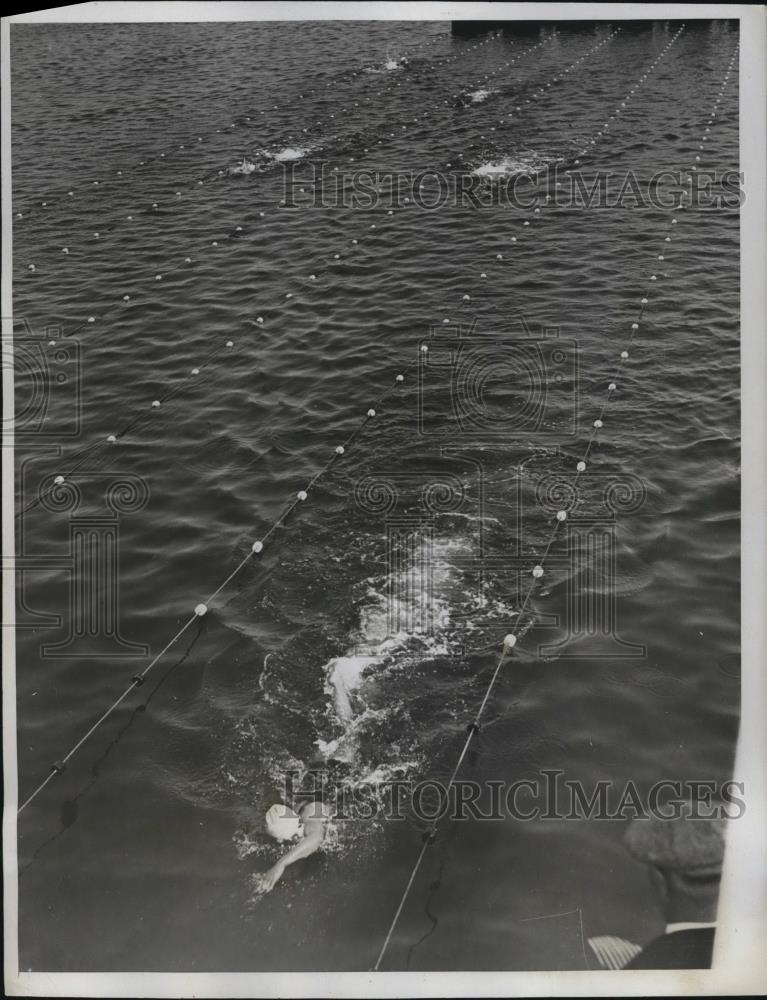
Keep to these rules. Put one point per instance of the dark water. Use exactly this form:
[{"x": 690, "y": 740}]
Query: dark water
[{"x": 142, "y": 853}]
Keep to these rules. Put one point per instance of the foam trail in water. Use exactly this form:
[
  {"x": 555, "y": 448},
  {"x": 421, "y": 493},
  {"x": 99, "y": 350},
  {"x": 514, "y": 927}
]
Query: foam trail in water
[
  {"x": 245, "y": 166},
  {"x": 478, "y": 96},
  {"x": 511, "y": 166},
  {"x": 289, "y": 154},
  {"x": 409, "y": 612}
]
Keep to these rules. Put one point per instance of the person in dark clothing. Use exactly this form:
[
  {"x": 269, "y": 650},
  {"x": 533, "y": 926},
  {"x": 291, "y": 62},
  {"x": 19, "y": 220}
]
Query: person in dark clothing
[
  {"x": 680, "y": 949},
  {"x": 685, "y": 856}
]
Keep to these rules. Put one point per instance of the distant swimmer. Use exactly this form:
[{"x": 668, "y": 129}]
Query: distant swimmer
[
  {"x": 306, "y": 828},
  {"x": 395, "y": 62},
  {"x": 243, "y": 167}
]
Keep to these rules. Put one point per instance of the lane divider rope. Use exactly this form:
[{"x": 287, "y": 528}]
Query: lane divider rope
[
  {"x": 256, "y": 548},
  {"x": 99, "y": 314},
  {"x": 164, "y": 154},
  {"x": 203, "y": 607},
  {"x": 524, "y": 226},
  {"x": 537, "y": 572},
  {"x": 281, "y": 300},
  {"x": 75, "y": 462}
]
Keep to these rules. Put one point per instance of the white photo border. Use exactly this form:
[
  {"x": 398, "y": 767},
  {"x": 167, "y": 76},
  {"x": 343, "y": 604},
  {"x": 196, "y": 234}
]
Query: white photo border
[{"x": 740, "y": 956}]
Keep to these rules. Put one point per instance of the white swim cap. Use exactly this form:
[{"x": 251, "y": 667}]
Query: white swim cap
[{"x": 282, "y": 823}]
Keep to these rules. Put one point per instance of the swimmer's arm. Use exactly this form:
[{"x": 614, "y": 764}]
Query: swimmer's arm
[{"x": 309, "y": 843}]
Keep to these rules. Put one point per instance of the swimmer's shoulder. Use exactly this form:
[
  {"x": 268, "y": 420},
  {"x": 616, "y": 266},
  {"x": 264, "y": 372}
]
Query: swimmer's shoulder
[{"x": 316, "y": 811}]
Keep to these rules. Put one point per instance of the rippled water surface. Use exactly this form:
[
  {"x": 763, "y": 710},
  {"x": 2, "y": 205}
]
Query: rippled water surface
[{"x": 323, "y": 650}]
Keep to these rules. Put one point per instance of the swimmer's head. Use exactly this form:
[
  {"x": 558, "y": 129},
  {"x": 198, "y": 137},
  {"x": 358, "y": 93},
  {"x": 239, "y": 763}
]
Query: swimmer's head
[{"x": 282, "y": 823}]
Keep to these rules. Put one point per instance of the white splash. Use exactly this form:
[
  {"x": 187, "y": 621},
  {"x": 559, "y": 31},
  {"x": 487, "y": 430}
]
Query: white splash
[
  {"x": 509, "y": 166},
  {"x": 411, "y": 609},
  {"x": 392, "y": 64},
  {"x": 243, "y": 167},
  {"x": 478, "y": 96},
  {"x": 289, "y": 154},
  {"x": 343, "y": 678}
]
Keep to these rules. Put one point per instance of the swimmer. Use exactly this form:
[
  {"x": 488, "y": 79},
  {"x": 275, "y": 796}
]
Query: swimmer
[
  {"x": 306, "y": 829},
  {"x": 243, "y": 167}
]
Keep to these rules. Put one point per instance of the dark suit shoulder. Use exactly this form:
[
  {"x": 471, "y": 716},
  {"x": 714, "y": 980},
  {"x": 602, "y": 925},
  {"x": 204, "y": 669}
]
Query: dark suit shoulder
[{"x": 690, "y": 949}]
